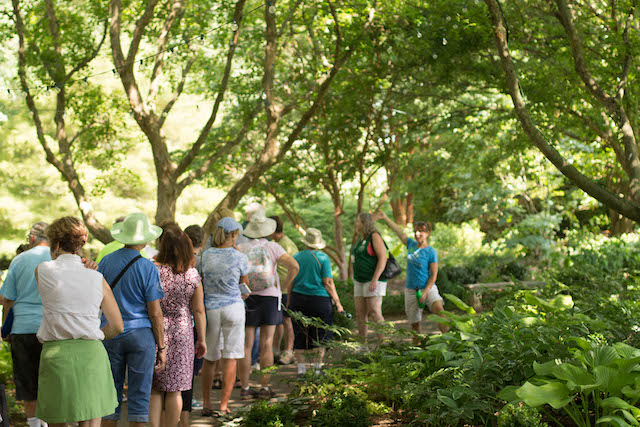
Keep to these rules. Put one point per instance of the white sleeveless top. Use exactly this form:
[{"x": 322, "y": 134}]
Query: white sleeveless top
[{"x": 71, "y": 298}]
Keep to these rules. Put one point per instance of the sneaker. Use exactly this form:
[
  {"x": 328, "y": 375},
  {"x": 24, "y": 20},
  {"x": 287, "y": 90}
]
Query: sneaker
[
  {"x": 255, "y": 367},
  {"x": 286, "y": 358},
  {"x": 196, "y": 404},
  {"x": 266, "y": 393},
  {"x": 249, "y": 393}
]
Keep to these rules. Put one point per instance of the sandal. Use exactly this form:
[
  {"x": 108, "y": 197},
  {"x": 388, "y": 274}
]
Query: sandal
[
  {"x": 208, "y": 412},
  {"x": 217, "y": 384}
]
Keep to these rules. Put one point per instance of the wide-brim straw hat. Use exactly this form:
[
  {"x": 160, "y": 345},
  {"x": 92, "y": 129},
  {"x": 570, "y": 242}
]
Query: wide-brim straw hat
[
  {"x": 135, "y": 230},
  {"x": 260, "y": 226},
  {"x": 313, "y": 239}
]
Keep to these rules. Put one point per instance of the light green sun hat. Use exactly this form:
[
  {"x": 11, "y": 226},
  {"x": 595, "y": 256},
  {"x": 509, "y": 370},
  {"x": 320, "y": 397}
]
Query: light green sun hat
[{"x": 135, "y": 230}]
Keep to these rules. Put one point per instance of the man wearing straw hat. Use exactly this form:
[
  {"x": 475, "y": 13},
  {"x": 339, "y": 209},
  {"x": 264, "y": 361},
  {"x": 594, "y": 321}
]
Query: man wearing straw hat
[{"x": 136, "y": 286}]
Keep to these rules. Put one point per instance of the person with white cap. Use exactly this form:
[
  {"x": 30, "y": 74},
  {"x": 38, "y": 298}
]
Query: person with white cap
[
  {"x": 224, "y": 270},
  {"x": 136, "y": 286},
  {"x": 263, "y": 307},
  {"x": 312, "y": 293}
]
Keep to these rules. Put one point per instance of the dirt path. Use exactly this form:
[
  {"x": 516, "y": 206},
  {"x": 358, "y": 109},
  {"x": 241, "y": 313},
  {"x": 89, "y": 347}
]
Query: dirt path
[{"x": 279, "y": 383}]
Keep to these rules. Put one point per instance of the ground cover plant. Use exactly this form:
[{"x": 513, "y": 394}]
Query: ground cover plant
[{"x": 528, "y": 339}]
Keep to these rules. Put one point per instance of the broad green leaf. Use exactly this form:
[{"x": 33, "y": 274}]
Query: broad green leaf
[
  {"x": 626, "y": 351},
  {"x": 509, "y": 394},
  {"x": 613, "y": 420},
  {"x": 460, "y": 304},
  {"x": 631, "y": 393},
  {"x": 633, "y": 419},
  {"x": 617, "y": 403},
  {"x": 555, "y": 394},
  {"x": 608, "y": 378},
  {"x": 538, "y": 302},
  {"x": 574, "y": 374},
  {"x": 545, "y": 369},
  {"x": 582, "y": 343},
  {"x": 600, "y": 356}
]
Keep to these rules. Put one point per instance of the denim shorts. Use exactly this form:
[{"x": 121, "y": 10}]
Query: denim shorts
[{"x": 135, "y": 353}]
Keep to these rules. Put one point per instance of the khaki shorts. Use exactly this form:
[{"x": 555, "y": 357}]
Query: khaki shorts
[
  {"x": 414, "y": 312},
  {"x": 361, "y": 289},
  {"x": 225, "y": 332}
]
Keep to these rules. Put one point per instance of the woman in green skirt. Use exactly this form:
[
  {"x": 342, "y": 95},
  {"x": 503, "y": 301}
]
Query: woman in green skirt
[{"x": 75, "y": 382}]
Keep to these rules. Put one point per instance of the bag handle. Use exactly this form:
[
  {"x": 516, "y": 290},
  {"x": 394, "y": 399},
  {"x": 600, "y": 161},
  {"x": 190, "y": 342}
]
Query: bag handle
[
  {"x": 124, "y": 270},
  {"x": 314, "y": 255}
]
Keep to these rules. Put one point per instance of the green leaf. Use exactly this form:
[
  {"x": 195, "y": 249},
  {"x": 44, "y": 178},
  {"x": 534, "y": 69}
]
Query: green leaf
[
  {"x": 509, "y": 394},
  {"x": 460, "y": 304},
  {"x": 555, "y": 394},
  {"x": 626, "y": 351},
  {"x": 545, "y": 369},
  {"x": 530, "y": 321},
  {"x": 448, "y": 401},
  {"x": 617, "y": 403},
  {"x": 574, "y": 374},
  {"x": 614, "y": 420},
  {"x": 562, "y": 302},
  {"x": 630, "y": 417}
]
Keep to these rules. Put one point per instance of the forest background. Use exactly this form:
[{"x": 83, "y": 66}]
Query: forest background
[{"x": 321, "y": 110}]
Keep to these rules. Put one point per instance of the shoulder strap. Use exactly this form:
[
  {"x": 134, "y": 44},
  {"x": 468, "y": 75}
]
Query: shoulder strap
[
  {"x": 371, "y": 241},
  {"x": 124, "y": 270},
  {"x": 314, "y": 255}
]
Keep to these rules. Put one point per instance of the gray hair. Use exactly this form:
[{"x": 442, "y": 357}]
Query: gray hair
[
  {"x": 368, "y": 224},
  {"x": 38, "y": 231}
]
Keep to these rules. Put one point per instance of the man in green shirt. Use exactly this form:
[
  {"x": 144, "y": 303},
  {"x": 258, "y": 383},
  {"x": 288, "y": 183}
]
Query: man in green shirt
[{"x": 286, "y": 329}]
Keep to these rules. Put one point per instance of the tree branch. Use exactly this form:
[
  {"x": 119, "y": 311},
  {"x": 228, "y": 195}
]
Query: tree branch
[{"x": 609, "y": 199}]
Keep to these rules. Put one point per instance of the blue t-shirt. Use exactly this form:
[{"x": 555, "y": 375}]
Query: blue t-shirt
[
  {"x": 309, "y": 278},
  {"x": 418, "y": 261},
  {"x": 221, "y": 269},
  {"x": 20, "y": 286},
  {"x": 137, "y": 287}
]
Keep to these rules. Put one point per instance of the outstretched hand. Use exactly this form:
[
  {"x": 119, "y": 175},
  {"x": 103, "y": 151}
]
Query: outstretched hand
[{"x": 378, "y": 215}]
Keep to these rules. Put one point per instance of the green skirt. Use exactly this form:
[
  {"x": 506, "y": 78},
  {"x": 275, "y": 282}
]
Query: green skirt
[{"x": 75, "y": 382}]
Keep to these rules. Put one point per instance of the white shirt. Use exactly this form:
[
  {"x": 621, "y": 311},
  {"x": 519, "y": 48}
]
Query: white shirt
[{"x": 71, "y": 298}]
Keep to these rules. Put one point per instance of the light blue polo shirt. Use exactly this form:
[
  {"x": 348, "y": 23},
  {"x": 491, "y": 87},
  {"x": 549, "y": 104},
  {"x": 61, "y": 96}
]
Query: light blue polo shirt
[
  {"x": 137, "y": 287},
  {"x": 418, "y": 261},
  {"x": 312, "y": 271},
  {"x": 20, "y": 286}
]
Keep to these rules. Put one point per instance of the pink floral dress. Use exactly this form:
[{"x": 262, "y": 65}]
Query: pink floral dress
[{"x": 178, "y": 329}]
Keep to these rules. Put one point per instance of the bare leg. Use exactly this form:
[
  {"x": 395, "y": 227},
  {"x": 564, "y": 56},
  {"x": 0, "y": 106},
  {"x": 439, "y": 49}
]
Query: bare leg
[
  {"x": 374, "y": 311},
  {"x": 30, "y": 408},
  {"x": 266, "y": 350},
  {"x": 244, "y": 365},
  {"x": 277, "y": 339},
  {"x": 132, "y": 424},
  {"x": 109, "y": 423},
  {"x": 172, "y": 408},
  {"x": 437, "y": 308},
  {"x": 155, "y": 408},
  {"x": 207, "y": 379},
  {"x": 288, "y": 334},
  {"x": 228, "y": 379},
  {"x": 89, "y": 423},
  {"x": 185, "y": 419},
  {"x": 361, "y": 316}
]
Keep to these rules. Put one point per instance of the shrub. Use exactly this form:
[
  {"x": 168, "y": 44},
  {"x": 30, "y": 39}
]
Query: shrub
[
  {"x": 345, "y": 410},
  {"x": 520, "y": 415},
  {"x": 270, "y": 415}
]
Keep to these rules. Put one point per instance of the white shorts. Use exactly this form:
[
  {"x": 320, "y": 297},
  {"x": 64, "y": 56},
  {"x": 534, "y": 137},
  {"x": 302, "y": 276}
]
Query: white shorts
[
  {"x": 361, "y": 289},
  {"x": 414, "y": 312},
  {"x": 225, "y": 332}
]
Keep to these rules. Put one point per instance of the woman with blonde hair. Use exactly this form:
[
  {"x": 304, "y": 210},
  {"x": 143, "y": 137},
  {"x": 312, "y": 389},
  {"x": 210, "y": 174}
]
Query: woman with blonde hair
[
  {"x": 223, "y": 269},
  {"x": 369, "y": 260},
  {"x": 75, "y": 382}
]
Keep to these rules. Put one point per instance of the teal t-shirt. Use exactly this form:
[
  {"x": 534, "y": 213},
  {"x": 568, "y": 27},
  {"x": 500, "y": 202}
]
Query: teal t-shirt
[
  {"x": 418, "y": 261},
  {"x": 312, "y": 271},
  {"x": 20, "y": 286}
]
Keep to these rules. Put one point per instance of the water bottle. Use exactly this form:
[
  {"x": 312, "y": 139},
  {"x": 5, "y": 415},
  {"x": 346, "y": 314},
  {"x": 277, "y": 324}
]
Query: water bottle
[{"x": 418, "y": 296}]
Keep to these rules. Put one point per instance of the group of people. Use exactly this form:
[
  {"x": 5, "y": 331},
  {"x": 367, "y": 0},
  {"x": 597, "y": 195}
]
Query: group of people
[{"x": 83, "y": 331}]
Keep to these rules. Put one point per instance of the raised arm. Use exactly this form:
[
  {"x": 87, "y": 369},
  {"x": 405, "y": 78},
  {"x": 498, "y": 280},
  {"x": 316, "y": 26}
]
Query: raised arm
[
  {"x": 392, "y": 225},
  {"x": 109, "y": 306},
  {"x": 197, "y": 307},
  {"x": 292, "y": 271}
]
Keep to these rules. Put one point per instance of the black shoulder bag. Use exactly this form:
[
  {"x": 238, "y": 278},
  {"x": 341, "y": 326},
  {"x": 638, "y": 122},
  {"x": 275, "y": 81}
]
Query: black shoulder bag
[
  {"x": 124, "y": 270},
  {"x": 392, "y": 268}
]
